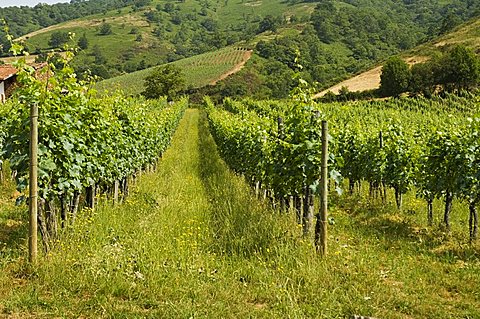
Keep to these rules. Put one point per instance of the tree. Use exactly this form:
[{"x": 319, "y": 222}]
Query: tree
[
  {"x": 105, "y": 29},
  {"x": 100, "y": 70},
  {"x": 460, "y": 69},
  {"x": 422, "y": 78},
  {"x": 269, "y": 23},
  {"x": 449, "y": 22},
  {"x": 323, "y": 21},
  {"x": 344, "y": 93},
  {"x": 98, "y": 55},
  {"x": 168, "y": 7},
  {"x": 209, "y": 24},
  {"x": 83, "y": 42},
  {"x": 395, "y": 77},
  {"x": 141, "y": 3},
  {"x": 58, "y": 39},
  {"x": 167, "y": 80}
]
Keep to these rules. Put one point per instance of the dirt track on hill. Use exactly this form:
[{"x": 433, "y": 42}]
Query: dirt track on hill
[
  {"x": 238, "y": 67},
  {"x": 368, "y": 80}
]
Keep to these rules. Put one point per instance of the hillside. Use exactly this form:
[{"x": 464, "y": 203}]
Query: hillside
[
  {"x": 341, "y": 39},
  {"x": 161, "y": 31},
  {"x": 332, "y": 40},
  {"x": 466, "y": 34},
  {"x": 199, "y": 71}
]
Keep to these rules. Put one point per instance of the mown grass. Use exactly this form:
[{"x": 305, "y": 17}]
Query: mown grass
[{"x": 193, "y": 241}]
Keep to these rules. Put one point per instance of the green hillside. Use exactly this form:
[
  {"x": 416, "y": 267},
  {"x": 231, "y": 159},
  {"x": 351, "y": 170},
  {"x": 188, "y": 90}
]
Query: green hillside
[
  {"x": 334, "y": 39},
  {"x": 199, "y": 71},
  {"x": 467, "y": 34},
  {"x": 333, "y": 54},
  {"x": 162, "y": 31}
]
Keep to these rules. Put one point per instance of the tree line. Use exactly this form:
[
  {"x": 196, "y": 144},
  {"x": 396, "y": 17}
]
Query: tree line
[{"x": 455, "y": 70}]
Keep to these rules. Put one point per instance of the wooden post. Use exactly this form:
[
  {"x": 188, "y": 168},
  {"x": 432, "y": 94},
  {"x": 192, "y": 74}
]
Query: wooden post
[
  {"x": 448, "y": 209},
  {"x": 280, "y": 128},
  {"x": 308, "y": 211},
  {"x": 473, "y": 220},
  {"x": 33, "y": 187},
  {"x": 321, "y": 225},
  {"x": 75, "y": 203},
  {"x": 383, "y": 191},
  {"x": 90, "y": 196},
  {"x": 115, "y": 191},
  {"x": 291, "y": 204},
  {"x": 298, "y": 202},
  {"x": 430, "y": 210}
]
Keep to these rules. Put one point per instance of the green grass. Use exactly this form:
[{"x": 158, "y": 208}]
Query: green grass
[
  {"x": 238, "y": 11},
  {"x": 199, "y": 71},
  {"x": 13, "y": 231},
  {"x": 193, "y": 241},
  {"x": 467, "y": 34},
  {"x": 113, "y": 46}
]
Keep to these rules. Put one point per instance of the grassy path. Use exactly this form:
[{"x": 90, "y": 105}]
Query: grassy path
[
  {"x": 160, "y": 254},
  {"x": 192, "y": 242}
]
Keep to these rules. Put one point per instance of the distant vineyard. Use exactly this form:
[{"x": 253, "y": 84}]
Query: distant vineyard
[
  {"x": 199, "y": 71},
  {"x": 430, "y": 146}
]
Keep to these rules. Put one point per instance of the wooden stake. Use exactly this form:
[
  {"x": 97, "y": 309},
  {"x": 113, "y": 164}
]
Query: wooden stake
[
  {"x": 321, "y": 225},
  {"x": 280, "y": 128},
  {"x": 90, "y": 196},
  {"x": 33, "y": 186},
  {"x": 430, "y": 211},
  {"x": 307, "y": 211},
  {"x": 383, "y": 191},
  {"x": 115, "y": 191}
]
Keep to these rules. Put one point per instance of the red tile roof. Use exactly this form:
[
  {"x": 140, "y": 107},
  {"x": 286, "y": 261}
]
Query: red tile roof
[{"x": 7, "y": 71}]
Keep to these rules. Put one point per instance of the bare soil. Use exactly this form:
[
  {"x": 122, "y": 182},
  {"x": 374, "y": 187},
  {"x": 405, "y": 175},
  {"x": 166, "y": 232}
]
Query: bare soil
[
  {"x": 368, "y": 80},
  {"x": 247, "y": 55}
]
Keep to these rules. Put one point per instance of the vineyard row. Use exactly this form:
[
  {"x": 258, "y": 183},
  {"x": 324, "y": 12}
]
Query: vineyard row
[
  {"x": 87, "y": 146},
  {"x": 400, "y": 144}
]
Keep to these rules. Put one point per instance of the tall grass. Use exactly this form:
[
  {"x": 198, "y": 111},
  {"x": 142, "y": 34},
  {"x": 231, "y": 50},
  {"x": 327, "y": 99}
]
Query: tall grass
[{"x": 193, "y": 242}]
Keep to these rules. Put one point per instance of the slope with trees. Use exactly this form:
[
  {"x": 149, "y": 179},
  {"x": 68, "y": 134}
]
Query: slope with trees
[
  {"x": 455, "y": 70},
  {"x": 153, "y": 33},
  {"x": 339, "y": 38}
]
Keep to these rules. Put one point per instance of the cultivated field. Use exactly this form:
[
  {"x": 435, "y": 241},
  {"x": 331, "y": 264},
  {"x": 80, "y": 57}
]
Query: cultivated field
[{"x": 199, "y": 71}]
